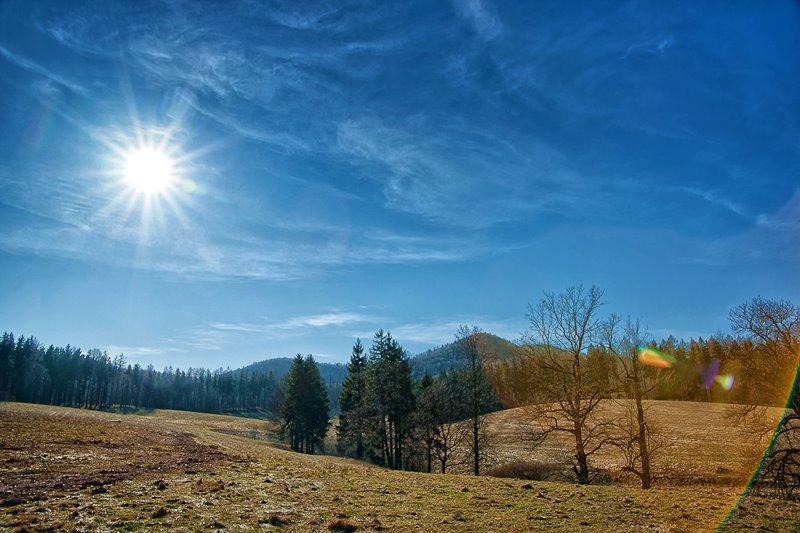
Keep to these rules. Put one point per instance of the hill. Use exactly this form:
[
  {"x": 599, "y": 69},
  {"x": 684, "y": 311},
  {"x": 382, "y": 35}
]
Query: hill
[
  {"x": 332, "y": 373},
  {"x": 433, "y": 361},
  {"x": 63, "y": 468},
  {"x": 697, "y": 443},
  {"x": 447, "y": 356}
]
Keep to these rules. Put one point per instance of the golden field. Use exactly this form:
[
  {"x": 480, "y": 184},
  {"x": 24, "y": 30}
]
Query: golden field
[{"x": 85, "y": 470}]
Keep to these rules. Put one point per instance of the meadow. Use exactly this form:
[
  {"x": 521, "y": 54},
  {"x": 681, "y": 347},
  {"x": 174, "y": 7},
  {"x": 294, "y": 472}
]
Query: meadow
[{"x": 76, "y": 469}]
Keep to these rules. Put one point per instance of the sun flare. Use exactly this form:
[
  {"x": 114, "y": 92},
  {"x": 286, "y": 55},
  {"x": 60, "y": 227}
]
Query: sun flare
[
  {"x": 148, "y": 170},
  {"x": 150, "y": 177}
]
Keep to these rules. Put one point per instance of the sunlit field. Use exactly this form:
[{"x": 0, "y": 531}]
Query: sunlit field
[
  {"x": 68, "y": 468},
  {"x": 701, "y": 445}
]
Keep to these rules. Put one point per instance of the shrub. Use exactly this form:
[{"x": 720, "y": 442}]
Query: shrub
[{"x": 534, "y": 470}]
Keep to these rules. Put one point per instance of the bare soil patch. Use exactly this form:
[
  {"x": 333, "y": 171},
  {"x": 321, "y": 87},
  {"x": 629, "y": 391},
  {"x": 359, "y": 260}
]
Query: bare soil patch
[{"x": 50, "y": 450}]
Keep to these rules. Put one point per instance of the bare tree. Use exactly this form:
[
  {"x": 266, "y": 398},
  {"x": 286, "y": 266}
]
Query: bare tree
[
  {"x": 449, "y": 442},
  {"x": 479, "y": 391},
  {"x": 634, "y": 434},
  {"x": 441, "y": 417},
  {"x": 775, "y": 324},
  {"x": 562, "y": 327},
  {"x": 638, "y": 448}
]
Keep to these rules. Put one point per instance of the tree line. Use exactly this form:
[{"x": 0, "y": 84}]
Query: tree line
[
  {"x": 759, "y": 377},
  {"x": 68, "y": 376}
]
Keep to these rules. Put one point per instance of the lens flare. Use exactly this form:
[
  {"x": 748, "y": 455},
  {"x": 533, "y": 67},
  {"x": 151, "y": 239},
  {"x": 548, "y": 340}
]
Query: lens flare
[
  {"x": 725, "y": 381},
  {"x": 709, "y": 374},
  {"x": 794, "y": 388},
  {"x": 652, "y": 357}
]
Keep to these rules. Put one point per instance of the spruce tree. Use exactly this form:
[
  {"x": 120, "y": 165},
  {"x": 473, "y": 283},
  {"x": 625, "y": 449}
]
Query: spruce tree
[
  {"x": 426, "y": 416},
  {"x": 350, "y": 431},
  {"x": 305, "y": 407},
  {"x": 390, "y": 400}
]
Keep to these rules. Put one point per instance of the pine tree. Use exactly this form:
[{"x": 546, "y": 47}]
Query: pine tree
[
  {"x": 390, "y": 400},
  {"x": 426, "y": 417},
  {"x": 306, "y": 407},
  {"x": 350, "y": 432},
  {"x": 6, "y": 362}
]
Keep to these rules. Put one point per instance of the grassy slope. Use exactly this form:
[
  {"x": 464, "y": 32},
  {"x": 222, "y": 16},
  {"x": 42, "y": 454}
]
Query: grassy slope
[
  {"x": 700, "y": 445},
  {"x": 87, "y": 470}
]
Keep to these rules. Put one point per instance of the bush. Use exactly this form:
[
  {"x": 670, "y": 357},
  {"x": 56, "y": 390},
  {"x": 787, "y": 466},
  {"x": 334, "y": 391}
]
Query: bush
[{"x": 533, "y": 470}]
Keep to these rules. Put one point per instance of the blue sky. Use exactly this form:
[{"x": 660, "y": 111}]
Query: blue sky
[{"x": 412, "y": 167}]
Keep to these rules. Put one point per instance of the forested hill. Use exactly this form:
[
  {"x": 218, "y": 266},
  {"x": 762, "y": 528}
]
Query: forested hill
[
  {"x": 333, "y": 375},
  {"x": 433, "y": 361},
  {"x": 331, "y": 372},
  {"x": 446, "y": 357}
]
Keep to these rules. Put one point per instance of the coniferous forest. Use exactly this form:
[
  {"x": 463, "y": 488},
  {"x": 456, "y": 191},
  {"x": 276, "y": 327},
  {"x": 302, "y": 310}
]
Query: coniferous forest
[{"x": 68, "y": 376}]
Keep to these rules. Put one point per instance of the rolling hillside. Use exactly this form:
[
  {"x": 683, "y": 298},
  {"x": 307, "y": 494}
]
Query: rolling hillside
[
  {"x": 331, "y": 372},
  {"x": 63, "y": 468}
]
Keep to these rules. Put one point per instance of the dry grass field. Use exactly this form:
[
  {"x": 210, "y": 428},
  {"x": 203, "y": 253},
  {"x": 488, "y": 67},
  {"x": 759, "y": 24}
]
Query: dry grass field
[
  {"x": 699, "y": 444},
  {"x": 83, "y": 470}
]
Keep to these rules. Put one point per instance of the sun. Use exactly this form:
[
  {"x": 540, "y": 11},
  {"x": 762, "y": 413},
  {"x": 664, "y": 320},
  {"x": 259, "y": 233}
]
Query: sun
[
  {"x": 149, "y": 176},
  {"x": 148, "y": 170}
]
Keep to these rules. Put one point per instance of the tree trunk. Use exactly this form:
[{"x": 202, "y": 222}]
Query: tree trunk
[
  {"x": 359, "y": 443},
  {"x": 429, "y": 454},
  {"x": 644, "y": 451},
  {"x": 475, "y": 449},
  {"x": 581, "y": 469}
]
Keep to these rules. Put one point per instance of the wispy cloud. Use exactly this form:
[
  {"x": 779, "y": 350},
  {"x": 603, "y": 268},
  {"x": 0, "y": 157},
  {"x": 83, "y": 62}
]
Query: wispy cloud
[
  {"x": 443, "y": 330},
  {"x": 656, "y": 46},
  {"x": 192, "y": 255},
  {"x": 773, "y": 236},
  {"x": 293, "y": 325},
  {"x": 145, "y": 353},
  {"x": 481, "y": 15},
  {"x": 714, "y": 197},
  {"x": 279, "y": 139},
  {"x": 36, "y": 68},
  {"x": 65, "y": 222},
  {"x": 458, "y": 175}
]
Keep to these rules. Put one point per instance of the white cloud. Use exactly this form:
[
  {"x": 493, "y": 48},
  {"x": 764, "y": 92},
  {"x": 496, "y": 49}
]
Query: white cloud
[
  {"x": 335, "y": 318},
  {"x": 296, "y": 325},
  {"x": 36, "y": 68},
  {"x": 654, "y": 46},
  {"x": 141, "y": 352},
  {"x": 481, "y": 15},
  {"x": 714, "y": 197},
  {"x": 457, "y": 174},
  {"x": 443, "y": 331}
]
